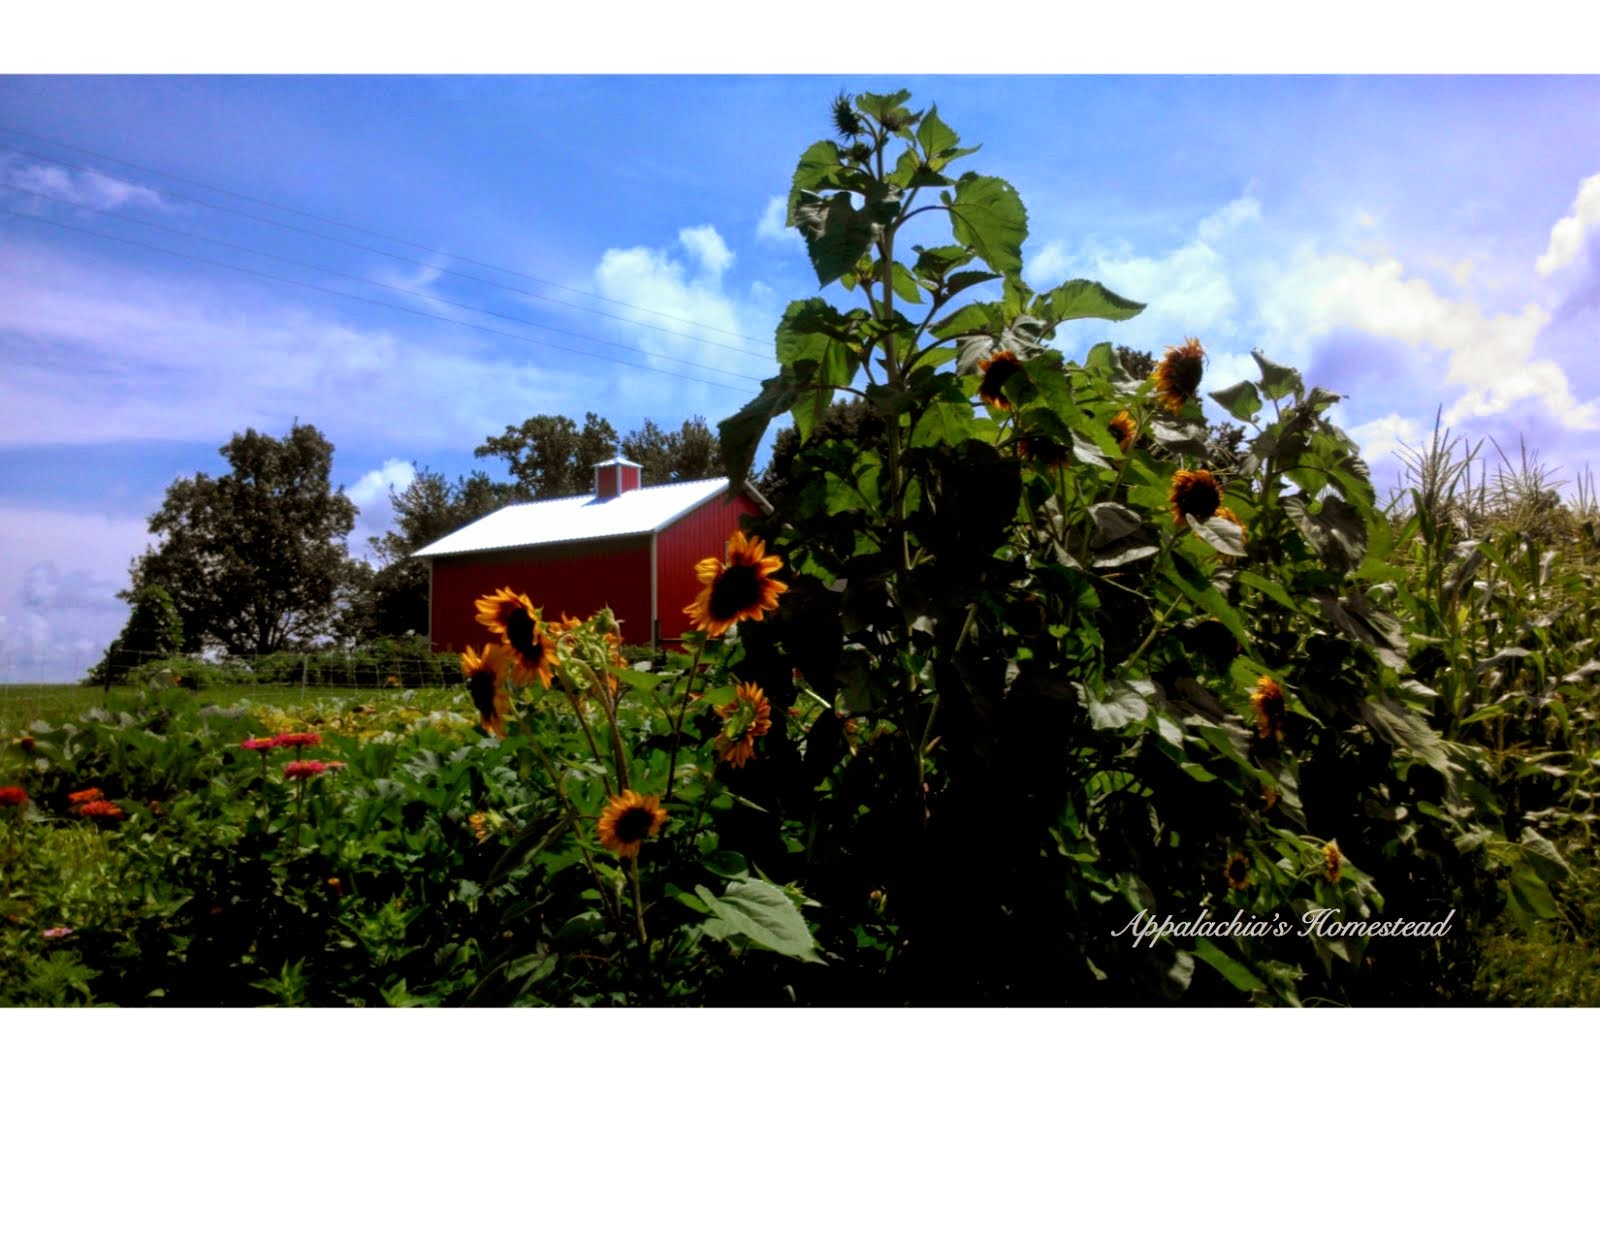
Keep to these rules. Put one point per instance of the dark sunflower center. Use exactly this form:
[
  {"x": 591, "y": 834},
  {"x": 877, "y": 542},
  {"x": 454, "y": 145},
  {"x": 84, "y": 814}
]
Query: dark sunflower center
[
  {"x": 521, "y": 633},
  {"x": 480, "y": 684},
  {"x": 1184, "y": 373},
  {"x": 737, "y": 589},
  {"x": 1238, "y": 869},
  {"x": 1200, "y": 502},
  {"x": 634, "y": 824}
]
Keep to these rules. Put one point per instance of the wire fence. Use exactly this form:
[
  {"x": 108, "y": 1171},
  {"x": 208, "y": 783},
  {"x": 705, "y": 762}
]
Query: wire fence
[{"x": 27, "y": 692}]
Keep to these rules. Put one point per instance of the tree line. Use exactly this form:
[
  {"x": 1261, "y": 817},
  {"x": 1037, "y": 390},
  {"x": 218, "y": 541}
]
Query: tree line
[{"x": 256, "y": 560}]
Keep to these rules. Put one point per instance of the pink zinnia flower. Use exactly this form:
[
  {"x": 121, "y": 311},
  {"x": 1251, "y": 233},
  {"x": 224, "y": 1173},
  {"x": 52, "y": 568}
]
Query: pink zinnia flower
[
  {"x": 56, "y": 933},
  {"x": 297, "y": 770},
  {"x": 259, "y": 744},
  {"x": 297, "y": 740}
]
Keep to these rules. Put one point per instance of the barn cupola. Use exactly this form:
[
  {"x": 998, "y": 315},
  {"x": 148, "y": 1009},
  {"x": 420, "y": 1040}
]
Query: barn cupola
[{"x": 615, "y": 476}]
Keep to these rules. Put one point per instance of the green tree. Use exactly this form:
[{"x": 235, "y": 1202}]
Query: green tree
[
  {"x": 550, "y": 457},
  {"x": 690, "y": 453},
  {"x": 253, "y": 559},
  {"x": 153, "y": 631},
  {"x": 394, "y": 599}
]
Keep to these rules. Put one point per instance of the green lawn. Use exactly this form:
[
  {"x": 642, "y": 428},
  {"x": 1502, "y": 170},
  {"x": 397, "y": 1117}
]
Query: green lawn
[{"x": 21, "y": 704}]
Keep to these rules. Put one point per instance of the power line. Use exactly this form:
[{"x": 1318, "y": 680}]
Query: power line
[
  {"x": 455, "y": 257},
  {"x": 367, "y": 300},
  {"x": 339, "y": 274}
]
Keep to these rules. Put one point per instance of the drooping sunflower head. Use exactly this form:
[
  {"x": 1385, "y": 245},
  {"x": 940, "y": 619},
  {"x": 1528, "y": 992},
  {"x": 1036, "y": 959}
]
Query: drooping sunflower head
[
  {"x": 1043, "y": 450},
  {"x": 629, "y": 818},
  {"x": 1178, "y": 374},
  {"x": 1267, "y": 700},
  {"x": 1332, "y": 862},
  {"x": 512, "y": 617},
  {"x": 997, "y": 371},
  {"x": 746, "y": 718},
  {"x": 485, "y": 673},
  {"x": 1237, "y": 871},
  {"x": 1194, "y": 495},
  {"x": 1124, "y": 429},
  {"x": 741, "y": 587}
]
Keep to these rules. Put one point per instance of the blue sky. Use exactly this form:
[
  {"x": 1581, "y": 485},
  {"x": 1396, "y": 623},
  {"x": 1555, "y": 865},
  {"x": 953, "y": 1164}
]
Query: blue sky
[{"x": 1409, "y": 242}]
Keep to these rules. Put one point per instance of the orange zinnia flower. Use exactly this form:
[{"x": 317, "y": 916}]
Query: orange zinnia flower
[
  {"x": 1267, "y": 700},
  {"x": 997, "y": 371},
  {"x": 99, "y": 808},
  {"x": 742, "y": 587},
  {"x": 628, "y": 819},
  {"x": 485, "y": 674},
  {"x": 85, "y": 796},
  {"x": 1124, "y": 429},
  {"x": 748, "y": 716},
  {"x": 1194, "y": 495},
  {"x": 512, "y": 617},
  {"x": 297, "y": 740},
  {"x": 1177, "y": 376}
]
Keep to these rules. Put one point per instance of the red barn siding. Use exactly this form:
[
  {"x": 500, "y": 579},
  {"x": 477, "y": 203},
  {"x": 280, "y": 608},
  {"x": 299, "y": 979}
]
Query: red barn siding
[
  {"x": 702, "y": 533},
  {"x": 578, "y": 578}
]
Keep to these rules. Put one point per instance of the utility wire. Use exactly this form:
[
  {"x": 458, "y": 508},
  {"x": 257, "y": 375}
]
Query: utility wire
[
  {"x": 455, "y": 257},
  {"x": 382, "y": 304},
  {"x": 339, "y": 274}
]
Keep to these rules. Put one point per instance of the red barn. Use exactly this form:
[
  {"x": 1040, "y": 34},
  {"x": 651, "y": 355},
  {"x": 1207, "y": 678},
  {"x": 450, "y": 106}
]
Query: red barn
[{"x": 626, "y": 546}]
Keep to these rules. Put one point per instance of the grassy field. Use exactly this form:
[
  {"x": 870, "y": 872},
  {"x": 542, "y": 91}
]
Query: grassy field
[{"x": 21, "y": 704}]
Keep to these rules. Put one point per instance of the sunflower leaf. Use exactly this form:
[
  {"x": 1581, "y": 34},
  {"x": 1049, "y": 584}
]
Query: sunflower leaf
[
  {"x": 761, "y": 913},
  {"x": 837, "y": 235},
  {"x": 987, "y": 214},
  {"x": 1234, "y": 971},
  {"x": 1223, "y": 535},
  {"x": 1242, "y": 401},
  {"x": 1122, "y": 704},
  {"x": 1278, "y": 380},
  {"x": 1084, "y": 298}
]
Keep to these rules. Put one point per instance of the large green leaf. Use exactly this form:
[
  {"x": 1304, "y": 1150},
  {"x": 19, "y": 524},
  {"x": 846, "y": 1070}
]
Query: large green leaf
[
  {"x": 987, "y": 214},
  {"x": 943, "y": 423},
  {"x": 837, "y": 235},
  {"x": 1277, "y": 380},
  {"x": 935, "y": 136},
  {"x": 1234, "y": 971},
  {"x": 1337, "y": 532},
  {"x": 740, "y": 434},
  {"x": 761, "y": 913},
  {"x": 1121, "y": 704},
  {"x": 1241, "y": 400},
  {"x": 1083, "y": 298},
  {"x": 1224, "y": 536}
]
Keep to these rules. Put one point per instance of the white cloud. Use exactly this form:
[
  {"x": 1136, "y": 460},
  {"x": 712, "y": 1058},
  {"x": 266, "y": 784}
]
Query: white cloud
[
  {"x": 396, "y": 473},
  {"x": 56, "y": 620},
  {"x": 1215, "y": 226},
  {"x": 1490, "y": 354},
  {"x": 86, "y": 188},
  {"x": 773, "y": 225},
  {"x": 1566, "y": 237},
  {"x": 1049, "y": 266},
  {"x": 707, "y": 247},
  {"x": 1385, "y": 435}
]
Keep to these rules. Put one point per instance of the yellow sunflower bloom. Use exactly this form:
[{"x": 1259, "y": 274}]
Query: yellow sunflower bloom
[
  {"x": 1194, "y": 495},
  {"x": 741, "y": 587},
  {"x": 512, "y": 617},
  {"x": 1267, "y": 700},
  {"x": 485, "y": 673},
  {"x": 628, "y": 819},
  {"x": 1124, "y": 429},
  {"x": 747, "y": 717},
  {"x": 997, "y": 371},
  {"x": 1332, "y": 862},
  {"x": 1178, "y": 374},
  {"x": 1238, "y": 871}
]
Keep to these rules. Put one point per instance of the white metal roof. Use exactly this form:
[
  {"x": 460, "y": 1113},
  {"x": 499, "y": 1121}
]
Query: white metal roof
[{"x": 580, "y": 518}]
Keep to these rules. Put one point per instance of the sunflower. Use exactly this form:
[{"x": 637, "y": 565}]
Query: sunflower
[
  {"x": 1267, "y": 700},
  {"x": 742, "y": 587},
  {"x": 1332, "y": 862},
  {"x": 512, "y": 617},
  {"x": 1194, "y": 495},
  {"x": 1177, "y": 377},
  {"x": 1124, "y": 429},
  {"x": 1043, "y": 450},
  {"x": 628, "y": 819},
  {"x": 997, "y": 371},
  {"x": 1269, "y": 796},
  {"x": 747, "y": 717},
  {"x": 485, "y": 673},
  {"x": 1238, "y": 871}
]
